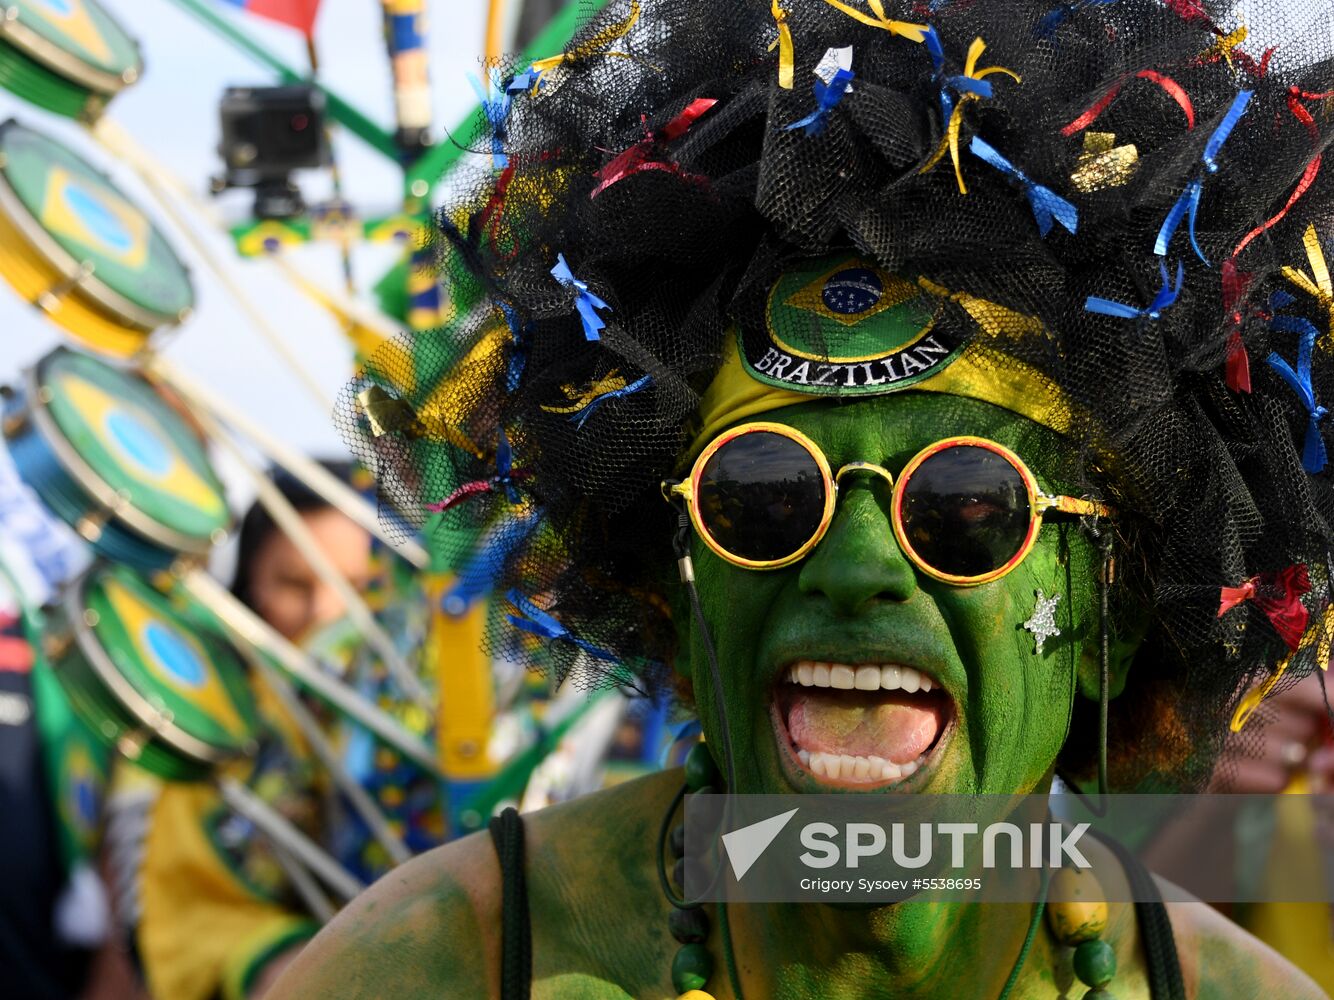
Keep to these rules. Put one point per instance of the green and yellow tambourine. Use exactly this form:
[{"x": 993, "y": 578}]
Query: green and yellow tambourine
[
  {"x": 151, "y": 681},
  {"x": 74, "y": 245},
  {"x": 107, "y": 454},
  {"x": 67, "y": 56}
]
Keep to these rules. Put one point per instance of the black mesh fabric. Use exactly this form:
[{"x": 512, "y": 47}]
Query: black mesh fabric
[{"x": 1208, "y": 480}]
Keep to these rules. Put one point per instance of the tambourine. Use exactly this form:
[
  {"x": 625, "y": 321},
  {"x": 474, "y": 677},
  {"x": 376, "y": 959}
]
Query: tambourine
[
  {"x": 67, "y": 56},
  {"x": 149, "y": 677},
  {"x": 107, "y": 454},
  {"x": 73, "y": 244}
]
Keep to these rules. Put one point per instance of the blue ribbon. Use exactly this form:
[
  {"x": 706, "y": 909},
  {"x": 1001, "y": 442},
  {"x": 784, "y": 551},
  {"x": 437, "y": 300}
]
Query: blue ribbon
[
  {"x": 479, "y": 574},
  {"x": 959, "y": 81},
  {"x": 522, "y": 83},
  {"x": 505, "y": 468},
  {"x": 827, "y": 97},
  {"x": 585, "y": 301},
  {"x": 519, "y": 355},
  {"x": 1314, "y": 457},
  {"x": 534, "y": 620},
  {"x": 1053, "y": 20},
  {"x": 1167, "y": 296},
  {"x": 1188, "y": 205},
  {"x": 1281, "y": 300},
  {"x": 579, "y": 416},
  {"x": 1049, "y": 207},
  {"x": 495, "y": 101}
]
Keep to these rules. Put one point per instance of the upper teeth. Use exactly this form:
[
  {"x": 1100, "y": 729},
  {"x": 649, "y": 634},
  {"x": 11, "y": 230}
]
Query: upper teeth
[{"x": 809, "y": 673}]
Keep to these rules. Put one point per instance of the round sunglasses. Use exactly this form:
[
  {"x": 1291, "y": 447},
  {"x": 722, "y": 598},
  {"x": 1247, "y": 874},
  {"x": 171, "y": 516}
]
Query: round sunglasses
[{"x": 964, "y": 510}]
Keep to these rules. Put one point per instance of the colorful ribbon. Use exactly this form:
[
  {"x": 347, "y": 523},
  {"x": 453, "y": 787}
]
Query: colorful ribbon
[
  {"x": 1188, "y": 205},
  {"x": 495, "y": 102},
  {"x": 1278, "y": 595},
  {"x": 1173, "y": 89},
  {"x": 833, "y": 79},
  {"x": 1295, "y": 98},
  {"x": 1322, "y": 637},
  {"x": 534, "y": 620},
  {"x": 1238, "y": 367},
  {"x": 587, "y": 303},
  {"x": 1222, "y": 49},
  {"x": 504, "y": 480},
  {"x": 1053, "y": 20},
  {"x": 786, "y": 52},
  {"x": 1048, "y": 207},
  {"x": 518, "y": 358},
  {"x": 480, "y": 574},
  {"x": 637, "y": 157},
  {"x": 587, "y": 49},
  {"x": 971, "y": 85},
  {"x": 1167, "y": 296},
  {"x": 877, "y": 19},
  {"x": 585, "y": 404},
  {"x": 1314, "y": 457},
  {"x": 1188, "y": 10},
  {"x": 1317, "y": 284}
]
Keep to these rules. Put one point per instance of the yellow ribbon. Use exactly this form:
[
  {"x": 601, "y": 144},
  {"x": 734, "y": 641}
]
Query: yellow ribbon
[
  {"x": 950, "y": 142},
  {"x": 1322, "y": 636},
  {"x": 595, "y": 44},
  {"x": 786, "y": 54},
  {"x": 1224, "y": 46},
  {"x": 877, "y": 19},
  {"x": 1317, "y": 284},
  {"x": 610, "y": 382}
]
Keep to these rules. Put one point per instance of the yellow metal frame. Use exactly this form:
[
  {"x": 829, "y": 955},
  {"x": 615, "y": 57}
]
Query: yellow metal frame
[{"x": 1039, "y": 503}]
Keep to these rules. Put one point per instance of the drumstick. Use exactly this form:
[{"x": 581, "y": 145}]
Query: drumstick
[
  {"x": 271, "y": 823},
  {"x": 249, "y": 627},
  {"x": 119, "y": 143},
  {"x": 361, "y": 802},
  {"x": 291, "y": 524},
  {"x": 325, "y": 484}
]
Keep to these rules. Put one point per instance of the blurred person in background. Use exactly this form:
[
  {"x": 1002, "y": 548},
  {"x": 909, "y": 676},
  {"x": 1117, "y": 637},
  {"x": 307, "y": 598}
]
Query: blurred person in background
[{"x": 213, "y": 916}]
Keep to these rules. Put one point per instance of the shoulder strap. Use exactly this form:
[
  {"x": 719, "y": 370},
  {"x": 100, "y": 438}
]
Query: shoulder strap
[
  {"x": 516, "y": 932},
  {"x": 1155, "y": 927}
]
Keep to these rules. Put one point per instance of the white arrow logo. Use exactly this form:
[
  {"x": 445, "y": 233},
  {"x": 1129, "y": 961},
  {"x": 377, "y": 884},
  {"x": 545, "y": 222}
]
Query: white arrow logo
[{"x": 745, "y": 846}]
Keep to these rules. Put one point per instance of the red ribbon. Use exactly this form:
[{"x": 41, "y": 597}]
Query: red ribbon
[
  {"x": 1235, "y": 286},
  {"x": 476, "y": 488},
  {"x": 1278, "y": 595},
  {"x": 637, "y": 157},
  {"x": 495, "y": 206},
  {"x": 1295, "y": 98},
  {"x": 1188, "y": 10},
  {"x": 1173, "y": 89}
]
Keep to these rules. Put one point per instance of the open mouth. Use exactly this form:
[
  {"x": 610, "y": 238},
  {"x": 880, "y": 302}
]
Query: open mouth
[{"x": 859, "y": 726}]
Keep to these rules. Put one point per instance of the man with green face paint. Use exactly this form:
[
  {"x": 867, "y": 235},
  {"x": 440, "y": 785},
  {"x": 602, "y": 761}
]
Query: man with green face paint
[{"x": 931, "y": 427}]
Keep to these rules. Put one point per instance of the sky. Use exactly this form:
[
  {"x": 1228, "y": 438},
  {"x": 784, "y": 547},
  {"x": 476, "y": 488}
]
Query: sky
[{"x": 172, "y": 111}]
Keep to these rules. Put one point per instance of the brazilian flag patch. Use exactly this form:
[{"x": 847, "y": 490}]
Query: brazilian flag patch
[{"x": 843, "y": 326}]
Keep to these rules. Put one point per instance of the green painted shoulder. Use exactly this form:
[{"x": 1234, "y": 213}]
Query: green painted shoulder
[
  {"x": 1220, "y": 961},
  {"x": 432, "y": 927}
]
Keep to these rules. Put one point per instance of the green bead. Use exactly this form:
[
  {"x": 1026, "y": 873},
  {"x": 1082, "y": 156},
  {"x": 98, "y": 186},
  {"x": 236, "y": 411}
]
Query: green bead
[
  {"x": 691, "y": 968},
  {"x": 1095, "y": 963},
  {"x": 700, "y": 768}
]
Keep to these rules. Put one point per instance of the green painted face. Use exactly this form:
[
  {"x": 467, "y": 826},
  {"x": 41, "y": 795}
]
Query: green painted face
[{"x": 999, "y": 712}]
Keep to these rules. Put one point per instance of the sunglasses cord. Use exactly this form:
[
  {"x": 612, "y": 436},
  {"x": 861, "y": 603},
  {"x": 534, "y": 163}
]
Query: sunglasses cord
[{"x": 686, "y": 568}]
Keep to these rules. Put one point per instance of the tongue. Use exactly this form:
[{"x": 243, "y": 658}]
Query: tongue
[{"x": 898, "y": 727}]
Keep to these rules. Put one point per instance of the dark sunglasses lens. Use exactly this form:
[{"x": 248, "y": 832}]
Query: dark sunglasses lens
[
  {"x": 966, "y": 511},
  {"x": 761, "y": 496}
]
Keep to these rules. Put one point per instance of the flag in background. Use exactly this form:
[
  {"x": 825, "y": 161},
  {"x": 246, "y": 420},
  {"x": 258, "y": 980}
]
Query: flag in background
[{"x": 299, "y": 14}]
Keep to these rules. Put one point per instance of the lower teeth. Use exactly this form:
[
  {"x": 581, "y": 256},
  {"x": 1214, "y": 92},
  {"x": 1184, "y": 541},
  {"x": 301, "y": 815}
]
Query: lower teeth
[{"x": 844, "y": 767}]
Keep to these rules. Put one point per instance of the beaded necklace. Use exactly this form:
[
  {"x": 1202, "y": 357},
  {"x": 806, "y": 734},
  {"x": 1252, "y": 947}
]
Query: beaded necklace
[{"x": 1077, "y": 921}]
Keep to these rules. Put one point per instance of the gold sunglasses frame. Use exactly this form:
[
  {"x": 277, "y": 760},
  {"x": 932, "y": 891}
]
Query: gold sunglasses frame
[{"x": 1039, "y": 503}]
